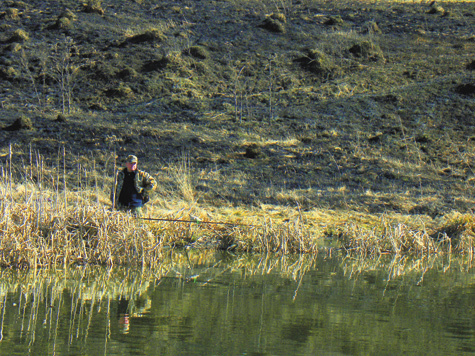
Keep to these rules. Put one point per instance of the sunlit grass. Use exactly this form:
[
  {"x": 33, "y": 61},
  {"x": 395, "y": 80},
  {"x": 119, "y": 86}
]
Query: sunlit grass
[{"x": 46, "y": 222}]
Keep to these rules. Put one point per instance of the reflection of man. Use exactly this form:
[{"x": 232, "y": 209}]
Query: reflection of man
[
  {"x": 127, "y": 311},
  {"x": 132, "y": 187},
  {"x": 123, "y": 314},
  {"x": 124, "y": 324}
]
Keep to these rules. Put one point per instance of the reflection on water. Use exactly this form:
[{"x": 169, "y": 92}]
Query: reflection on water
[{"x": 213, "y": 304}]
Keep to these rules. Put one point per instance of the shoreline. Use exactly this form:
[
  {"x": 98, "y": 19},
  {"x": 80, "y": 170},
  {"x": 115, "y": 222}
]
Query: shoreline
[{"x": 41, "y": 229}]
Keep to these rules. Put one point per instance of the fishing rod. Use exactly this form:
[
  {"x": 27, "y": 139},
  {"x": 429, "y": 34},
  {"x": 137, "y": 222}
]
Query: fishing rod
[{"x": 196, "y": 221}]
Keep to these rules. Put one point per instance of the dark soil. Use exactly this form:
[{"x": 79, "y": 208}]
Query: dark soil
[{"x": 356, "y": 105}]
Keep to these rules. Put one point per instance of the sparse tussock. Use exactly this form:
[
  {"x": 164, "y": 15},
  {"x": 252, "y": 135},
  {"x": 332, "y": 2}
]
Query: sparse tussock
[
  {"x": 274, "y": 22},
  {"x": 367, "y": 50},
  {"x": 119, "y": 92},
  {"x": 150, "y": 35},
  {"x": 11, "y": 13},
  {"x": 198, "y": 52}
]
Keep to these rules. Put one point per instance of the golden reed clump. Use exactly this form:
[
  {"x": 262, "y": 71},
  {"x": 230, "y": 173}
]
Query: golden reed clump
[
  {"x": 41, "y": 234},
  {"x": 44, "y": 228},
  {"x": 456, "y": 235}
]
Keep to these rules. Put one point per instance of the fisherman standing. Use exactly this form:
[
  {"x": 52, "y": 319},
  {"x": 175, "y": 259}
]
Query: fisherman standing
[{"x": 132, "y": 187}]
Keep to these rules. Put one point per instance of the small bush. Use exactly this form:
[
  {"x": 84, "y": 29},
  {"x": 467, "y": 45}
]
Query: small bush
[
  {"x": 63, "y": 23},
  {"x": 64, "y": 20},
  {"x": 436, "y": 9},
  {"x": 253, "y": 151},
  {"x": 122, "y": 91},
  {"x": 201, "y": 68},
  {"x": 371, "y": 27},
  {"x": 68, "y": 14},
  {"x": 8, "y": 73},
  {"x": 335, "y": 21},
  {"x": 11, "y": 13},
  {"x": 279, "y": 17},
  {"x": 22, "y": 123},
  {"x": 14, "y": 47},
  {"x": 127, "y": 73},
  {"x": 156, "y": 86},
  {"x": 101, "y": 69}
]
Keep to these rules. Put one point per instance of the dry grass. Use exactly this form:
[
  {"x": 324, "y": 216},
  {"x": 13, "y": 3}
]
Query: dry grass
[
  {"x": 455, "y": 234},
  {"x": 39, "y": 235},
  {"x": 45, "y": 223}
]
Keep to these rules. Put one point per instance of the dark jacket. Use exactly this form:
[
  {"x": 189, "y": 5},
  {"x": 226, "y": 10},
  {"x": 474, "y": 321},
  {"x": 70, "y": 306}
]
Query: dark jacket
[{"x": 144, "y": 183}]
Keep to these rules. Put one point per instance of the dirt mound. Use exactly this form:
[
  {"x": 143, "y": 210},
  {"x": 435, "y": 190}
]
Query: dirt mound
[
  {"x": 465, "y": 89},
  {"x": 22, "y": 123},
  {"x": 274, "y": 23},
  {"x": 317, "y": 62},
  {"x": 368, "y": 51}
]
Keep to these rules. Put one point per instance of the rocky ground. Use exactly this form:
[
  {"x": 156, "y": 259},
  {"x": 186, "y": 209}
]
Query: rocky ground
[{"x": 363, "y": 106}]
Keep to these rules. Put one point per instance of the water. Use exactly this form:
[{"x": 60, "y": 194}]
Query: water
[{"x": 212, "y": 304}]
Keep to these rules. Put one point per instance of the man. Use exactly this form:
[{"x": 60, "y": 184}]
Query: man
[{"x": 132, "y": 187}]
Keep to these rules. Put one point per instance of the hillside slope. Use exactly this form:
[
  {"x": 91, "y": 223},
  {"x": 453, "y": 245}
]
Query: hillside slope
[{"x": 367, "y": 106}]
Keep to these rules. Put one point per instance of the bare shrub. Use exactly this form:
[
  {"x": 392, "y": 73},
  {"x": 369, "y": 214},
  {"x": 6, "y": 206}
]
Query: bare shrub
[{"x": 59, "y": 63}]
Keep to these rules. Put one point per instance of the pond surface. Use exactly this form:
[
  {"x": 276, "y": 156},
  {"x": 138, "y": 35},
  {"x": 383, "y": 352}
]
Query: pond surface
[{"x": 213, "y": 304}]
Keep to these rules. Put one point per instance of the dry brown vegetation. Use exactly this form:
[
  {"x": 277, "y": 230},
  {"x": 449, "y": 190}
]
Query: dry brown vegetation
[
  {"x": 332, "y": 120},
  {"x": 45, "y": 224}
]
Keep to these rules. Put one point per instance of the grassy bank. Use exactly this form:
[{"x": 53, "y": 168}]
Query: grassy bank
[
  {"x": 323, "y": 124},
  {"x": 45, "y": 223}
]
